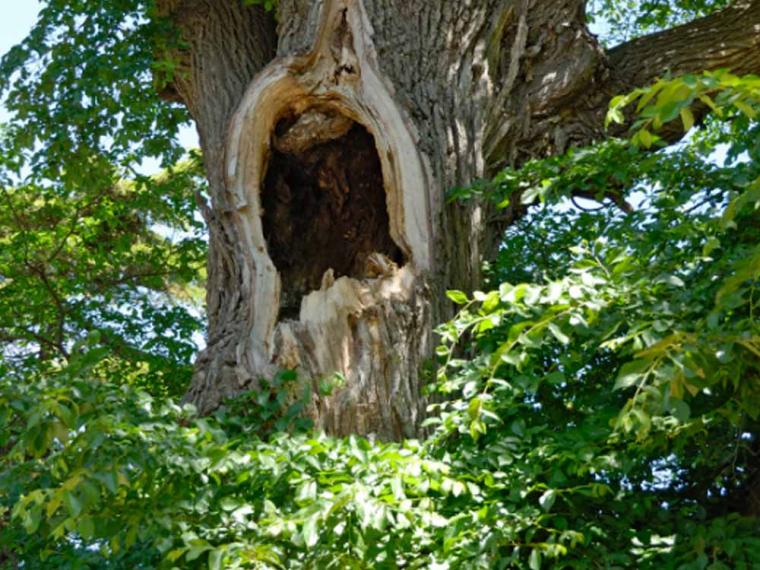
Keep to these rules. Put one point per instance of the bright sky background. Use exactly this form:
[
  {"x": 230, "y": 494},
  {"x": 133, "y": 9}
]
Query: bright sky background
[{"x": 18, "y": 17}]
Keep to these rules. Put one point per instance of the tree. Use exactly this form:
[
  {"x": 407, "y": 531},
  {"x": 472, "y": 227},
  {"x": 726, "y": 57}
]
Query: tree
[
  {"x": 384, "y": 106},
  {"x": 92, "y": 263},
  {"x": 330, "y": 131},
  {"x": 598, "y": 401}
]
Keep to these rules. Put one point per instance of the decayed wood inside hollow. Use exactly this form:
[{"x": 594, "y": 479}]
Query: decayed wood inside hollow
[{"x": 324, "y": 204}]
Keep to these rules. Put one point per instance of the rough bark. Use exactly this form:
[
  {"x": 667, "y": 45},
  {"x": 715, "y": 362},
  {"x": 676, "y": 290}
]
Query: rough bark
[{"x": 446, "y": 93}]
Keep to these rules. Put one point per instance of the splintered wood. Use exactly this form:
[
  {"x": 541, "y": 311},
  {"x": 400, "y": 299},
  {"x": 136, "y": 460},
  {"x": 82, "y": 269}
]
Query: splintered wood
[{"x": 324, "y": 205}]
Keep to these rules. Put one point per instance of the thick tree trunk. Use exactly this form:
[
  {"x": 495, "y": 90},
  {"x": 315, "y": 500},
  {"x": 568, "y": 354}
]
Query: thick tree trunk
[{"x": 331, "y": 243}]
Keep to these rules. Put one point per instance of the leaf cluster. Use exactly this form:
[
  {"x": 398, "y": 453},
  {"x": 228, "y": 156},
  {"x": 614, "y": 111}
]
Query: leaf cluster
[
  {"x": 121, "y": 262},
  {"x": 596, "y": 406}
]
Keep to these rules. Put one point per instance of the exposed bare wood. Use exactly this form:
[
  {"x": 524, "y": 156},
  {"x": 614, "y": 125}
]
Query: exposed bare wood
[{"x": 355, "y": 325}]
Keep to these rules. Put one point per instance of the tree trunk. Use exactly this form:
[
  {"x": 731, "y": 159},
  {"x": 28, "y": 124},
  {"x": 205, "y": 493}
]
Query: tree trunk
[{"x": 331, "y": 242}]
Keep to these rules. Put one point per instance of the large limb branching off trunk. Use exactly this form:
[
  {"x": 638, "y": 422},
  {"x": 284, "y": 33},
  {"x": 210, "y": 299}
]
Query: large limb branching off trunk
[
  {"x": 730, "y": 39},
  {"x": 331, "y": 243},
  {"x": 562, "y": 98}
]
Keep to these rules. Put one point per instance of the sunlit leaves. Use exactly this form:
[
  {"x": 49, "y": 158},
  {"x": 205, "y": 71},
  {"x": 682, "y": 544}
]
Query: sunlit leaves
[
  {"x": 88, "y": 244},
  {"x": 597, "y": 401},
  {"x": 84, "y": 105},
  {"x": 632, "y": 327},
  {"x": 119, "y": 265},
  {"x": 669, "y": 99}
]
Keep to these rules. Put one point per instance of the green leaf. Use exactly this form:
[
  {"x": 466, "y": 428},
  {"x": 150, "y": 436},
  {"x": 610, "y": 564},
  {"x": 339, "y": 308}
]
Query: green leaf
[
  {"x": 547, "y": 500},
  {"x": 614, "y": 116},
  {"x": 680, "y": 410},
  {"x": 229, "y": 503},
  {"x": 195, "y": 552},
  {"x": 534, "y": 563},
  {"x": 687, "y": 118},
  {"x": 175, "y": 554},
  {"x": 474, "y": 408},
  {"x": 215, "y": 559},
  {"x": 644, "y": 138},
  {"x": 309, "y": 533},
  {"x": 631, "y": 373},
  {"x": 307, "y": 491},
  {"x": 72, "y": 502},
  {"x": 710, "y": 103},
  {"x": 459, "y": 297},
  {"x": 558, "y": 334},
  {"x": 86, "y": 527},
  {"x": 746, "y": 109}
]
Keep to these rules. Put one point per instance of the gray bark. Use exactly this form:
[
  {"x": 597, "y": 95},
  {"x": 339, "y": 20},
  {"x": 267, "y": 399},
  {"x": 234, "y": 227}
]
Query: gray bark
[{"x": 450, "y": 92}]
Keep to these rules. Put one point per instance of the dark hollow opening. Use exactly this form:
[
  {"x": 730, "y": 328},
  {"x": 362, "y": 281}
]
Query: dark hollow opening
[{"x": 324, "y": 204}]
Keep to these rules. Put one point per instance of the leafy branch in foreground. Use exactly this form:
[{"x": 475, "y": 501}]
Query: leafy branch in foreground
[{"x": 669, "y": 99}]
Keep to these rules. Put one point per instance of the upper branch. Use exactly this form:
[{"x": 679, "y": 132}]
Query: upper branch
[
  {"x": 729, "y": 38},
  {"x": 566, "y": 80}
]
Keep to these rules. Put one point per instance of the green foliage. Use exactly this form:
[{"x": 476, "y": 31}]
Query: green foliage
[
  {"x": 275, "y": 406},
  {"x": 614, "y": 368},
  {"x": 123, "y": 473},
  {"x": 597, "y": 406},
  {"x": 98, "y": 83},
  {"x": 103, "y": 260},
  {"x": 627, "y": 19},
  {"x": 669, "y": 99},
  {"x": 87, "y": 243}
]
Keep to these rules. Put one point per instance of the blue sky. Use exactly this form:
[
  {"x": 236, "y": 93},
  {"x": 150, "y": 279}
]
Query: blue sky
[{"x": 18, "y": 18}]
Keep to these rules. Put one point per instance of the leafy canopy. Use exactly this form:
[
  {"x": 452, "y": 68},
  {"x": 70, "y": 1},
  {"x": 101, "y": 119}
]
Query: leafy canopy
[
  {"x": 597, "y": 405},
  {"x": 89, "y": 243}
]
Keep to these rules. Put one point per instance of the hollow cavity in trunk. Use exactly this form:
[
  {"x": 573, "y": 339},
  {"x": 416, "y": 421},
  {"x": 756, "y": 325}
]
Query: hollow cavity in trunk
[{"x": 324, "y": 205}]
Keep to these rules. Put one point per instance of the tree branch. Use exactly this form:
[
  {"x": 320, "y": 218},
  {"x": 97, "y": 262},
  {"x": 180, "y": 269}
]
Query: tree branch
[
  {"x": 729, "y": 38},
  {"x": 532, "y": 121},
  {"x": 567, "y": 80}
]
